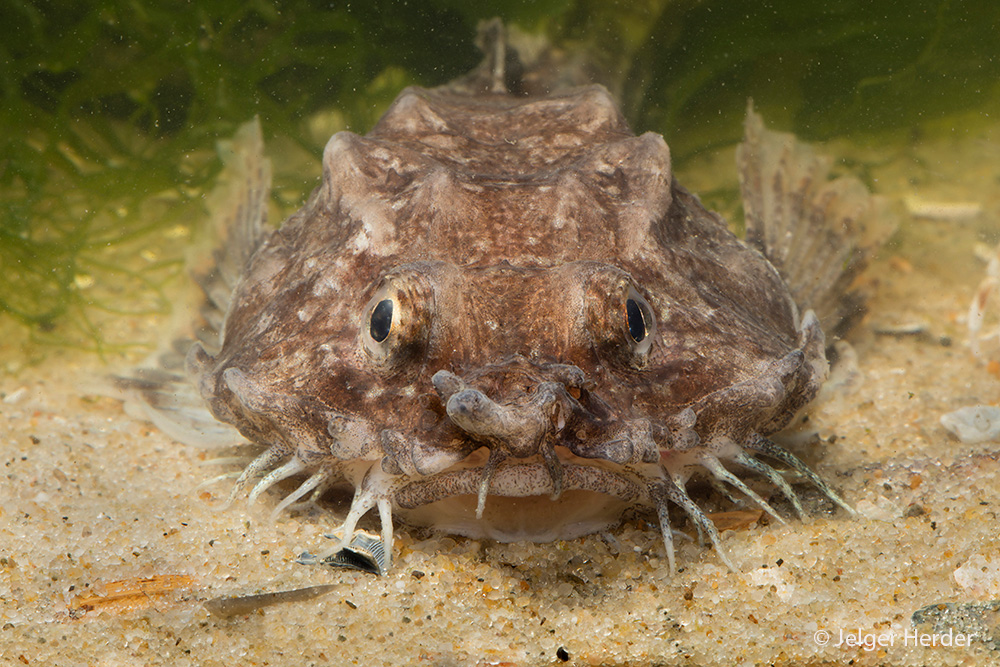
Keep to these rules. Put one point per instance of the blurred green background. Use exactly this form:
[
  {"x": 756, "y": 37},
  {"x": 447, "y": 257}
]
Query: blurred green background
[{"x": 110, "y": 110}]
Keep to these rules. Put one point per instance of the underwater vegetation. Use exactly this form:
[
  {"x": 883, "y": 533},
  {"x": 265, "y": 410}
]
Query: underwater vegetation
[{"x": 110, "y": 110}]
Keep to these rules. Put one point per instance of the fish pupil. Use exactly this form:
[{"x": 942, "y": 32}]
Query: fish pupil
[
  {"x": 636, "y": 321},
  {"x": 381, "y": 320}
]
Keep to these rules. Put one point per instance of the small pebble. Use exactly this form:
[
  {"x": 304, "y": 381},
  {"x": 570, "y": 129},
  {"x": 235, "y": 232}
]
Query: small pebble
[
  {"x": 900, "y": 328},
  {"x": 979, "y": 423},
  {"x": 15, "y": 396},
  {"x": 943, "y": 210}
]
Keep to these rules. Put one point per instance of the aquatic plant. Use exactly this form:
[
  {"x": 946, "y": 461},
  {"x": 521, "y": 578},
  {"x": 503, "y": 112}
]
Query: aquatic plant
[{"x": 110, "y": 111}]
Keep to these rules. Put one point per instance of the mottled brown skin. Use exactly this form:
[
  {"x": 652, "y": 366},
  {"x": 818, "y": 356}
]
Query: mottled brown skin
[
  {"x": 493, "y": 271},
  {"x": 518, "y": 240}
]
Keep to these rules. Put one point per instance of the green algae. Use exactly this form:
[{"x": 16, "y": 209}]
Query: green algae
[{"x": 110, "y": 112}]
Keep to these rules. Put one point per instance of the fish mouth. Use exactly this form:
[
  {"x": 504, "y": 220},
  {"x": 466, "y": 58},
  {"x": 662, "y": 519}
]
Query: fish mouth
[
  {"x": 522, "y": 505},
  {"x": 542, "y": 455},
  {"x": 523, "y": 450}
]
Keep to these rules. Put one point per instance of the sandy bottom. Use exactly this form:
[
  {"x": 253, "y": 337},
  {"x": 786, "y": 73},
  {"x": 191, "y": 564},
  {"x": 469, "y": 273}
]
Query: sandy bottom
[{"x": 108, "y": 548}]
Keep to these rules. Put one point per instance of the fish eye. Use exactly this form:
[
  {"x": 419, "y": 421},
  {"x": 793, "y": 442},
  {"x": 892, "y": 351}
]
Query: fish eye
[
  {"x": 620, "y": 319},
  {"x": 640, "y": 323},
  {"x": 635, "y": 319},
  {"x": 380, "y": 322},
  {"x": 394, "y": 325}
]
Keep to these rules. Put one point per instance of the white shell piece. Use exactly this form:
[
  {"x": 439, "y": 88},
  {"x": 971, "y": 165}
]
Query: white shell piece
[{"x": 979, "y": 423}]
